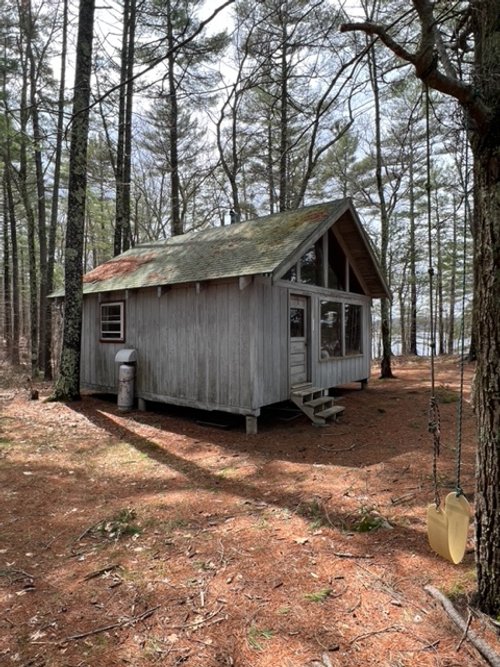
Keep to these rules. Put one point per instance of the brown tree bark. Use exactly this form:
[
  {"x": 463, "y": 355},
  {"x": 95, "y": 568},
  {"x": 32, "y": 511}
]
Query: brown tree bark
[
  {"x": 15, "y": 353},
  {"x": 385, "y": 306},
  {"x": 481, "y": 103},
  {"x": 453, "y": 284},
  {"x": 175, "y": 208},
  {"x": 7, "y": 283},
  {"x": 54, "y": 209},
  {"x": 122, "y": 236},
  {"x": 26, "y": 197},
  {"x": 43, "y": 355},
  {"x": 68, "y": 383},
  {"x": 412, "y": 343}
]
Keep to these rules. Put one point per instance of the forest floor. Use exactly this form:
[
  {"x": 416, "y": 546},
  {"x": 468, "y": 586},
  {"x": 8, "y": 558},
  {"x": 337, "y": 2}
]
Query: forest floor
[{"x": 154, "y": 538}]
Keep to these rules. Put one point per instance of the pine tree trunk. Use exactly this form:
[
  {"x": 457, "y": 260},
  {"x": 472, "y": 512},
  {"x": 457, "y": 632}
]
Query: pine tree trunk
[
  {"x": 269, "y": 165},
  {"x": 31, "y": 321},
  {"x": 487, "y": 397},
  {"x": 176, "y": 222},
  {"x": 402, "y": 321},
  {"x": 232, "y": 167},
  {"x": 486, "y": 149},
  {"x": 16, "y": 317},
  {"x": 284, "y": 140},
  {"x": 120, "y": 146},
  {"x": 412, "y": 347},
  {"x": 453, "y": 283},
  {"x": 54, "y": 212},
  {"x": 7, "y": 287},
  {"x": 439, "y": 285},
  {"x": 123, "y": 149},
  {"x": 68, "y": 383},
  {"x": 385, "y": 309},
  {"x": 26, "y": 196},
  {"x": 43, "y": 332},
  {"x": 127, "y": 152},
  {"x": 10, "y": 224}
]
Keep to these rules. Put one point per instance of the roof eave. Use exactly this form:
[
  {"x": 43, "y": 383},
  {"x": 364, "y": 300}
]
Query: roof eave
[
  {"x": 385, "y": 292},
  {"x": 322, "y": 228}
]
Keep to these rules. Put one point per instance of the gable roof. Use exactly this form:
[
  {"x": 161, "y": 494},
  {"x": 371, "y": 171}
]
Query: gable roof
[{"x": 267, "y": 245}]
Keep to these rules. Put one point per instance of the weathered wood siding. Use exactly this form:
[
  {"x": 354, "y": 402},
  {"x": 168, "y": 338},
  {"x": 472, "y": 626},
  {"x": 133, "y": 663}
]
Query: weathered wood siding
[
  {"x": 271, "y": 335},
  {"x": 215, "y": 347},
  {"x": 195, "y": 347},
  {"x": 98, "y": 368}
]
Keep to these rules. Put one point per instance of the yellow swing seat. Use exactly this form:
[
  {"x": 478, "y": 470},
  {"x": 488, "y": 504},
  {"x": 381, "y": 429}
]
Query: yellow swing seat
[{"x": 448, "y": 527}]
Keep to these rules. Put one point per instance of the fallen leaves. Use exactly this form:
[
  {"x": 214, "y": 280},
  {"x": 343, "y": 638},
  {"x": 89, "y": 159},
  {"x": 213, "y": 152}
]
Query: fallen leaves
[{"x": 256, "y": 559}]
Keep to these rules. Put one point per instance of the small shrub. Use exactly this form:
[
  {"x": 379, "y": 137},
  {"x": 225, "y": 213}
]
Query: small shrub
[
  {"x": 120, "y": 525},
  {"x": 314, "y": 513},
  {"x": 445, "y": 394},
  {"x": 369, "y": 519},
  {"x": 284, "y": 611},
  {"x": 319, "y": 596},
  {"x": 255, "y": 635}
]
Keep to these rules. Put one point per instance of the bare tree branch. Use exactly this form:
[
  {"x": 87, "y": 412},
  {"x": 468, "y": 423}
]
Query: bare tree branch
[{"x": 426, "y": 62}]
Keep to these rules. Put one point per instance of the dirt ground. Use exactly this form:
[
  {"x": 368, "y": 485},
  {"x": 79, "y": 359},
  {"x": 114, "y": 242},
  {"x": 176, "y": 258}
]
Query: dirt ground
[{"x": 150, "y": 538}]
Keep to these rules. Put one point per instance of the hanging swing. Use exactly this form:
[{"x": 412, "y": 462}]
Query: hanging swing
[{"x": 448, "y": 522}]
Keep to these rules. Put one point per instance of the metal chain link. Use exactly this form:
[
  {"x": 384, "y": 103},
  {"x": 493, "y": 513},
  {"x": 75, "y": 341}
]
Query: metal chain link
[
  {"x": 434, "y": 420},
  {"x": 434, "y": 427}
]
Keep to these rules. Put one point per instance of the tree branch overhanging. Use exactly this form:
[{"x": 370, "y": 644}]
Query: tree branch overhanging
[{"x": 425, "y": 62}]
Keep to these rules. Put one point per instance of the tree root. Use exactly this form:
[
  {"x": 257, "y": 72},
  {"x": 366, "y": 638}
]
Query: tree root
[{"x": 484, "y": 649}]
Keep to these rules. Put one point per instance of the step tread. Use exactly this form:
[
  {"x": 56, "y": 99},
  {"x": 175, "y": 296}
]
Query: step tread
[
  {"x": 319, "y": 401},
  {"x": 306, "y": 391},
  {"x": 335, "y": 410}
]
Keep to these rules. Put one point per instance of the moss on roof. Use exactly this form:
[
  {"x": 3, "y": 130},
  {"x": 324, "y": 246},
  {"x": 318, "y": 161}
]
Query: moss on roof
[
  {"x": 248, "y": 248},
  {"x": 260, "y": 246}
]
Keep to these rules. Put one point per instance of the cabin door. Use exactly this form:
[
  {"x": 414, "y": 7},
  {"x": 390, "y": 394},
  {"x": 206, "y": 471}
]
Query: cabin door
[{"x": 299, "y": 334}]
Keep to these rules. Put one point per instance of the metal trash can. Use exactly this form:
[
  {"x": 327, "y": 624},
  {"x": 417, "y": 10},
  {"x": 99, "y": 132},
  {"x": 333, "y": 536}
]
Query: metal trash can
[{"x": 126, "y": 379}]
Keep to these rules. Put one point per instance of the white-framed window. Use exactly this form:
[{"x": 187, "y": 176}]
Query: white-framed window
[{"x": 112, "y": 325}]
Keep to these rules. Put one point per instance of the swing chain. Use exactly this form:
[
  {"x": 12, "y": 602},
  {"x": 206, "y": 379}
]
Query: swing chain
[
  {"x": 434, "y": 417},
  {"x": 434, "y": 427},
  {"x": 458, "y": 443}
]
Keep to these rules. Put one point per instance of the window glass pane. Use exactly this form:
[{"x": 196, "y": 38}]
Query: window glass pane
[
  {"x": 297, "y": 323},
  {"x": 354, "y": 284},
  {"x": 331, "y": 329},
  {"x": 112, "y": 311},
  {"x": 311, "y": 266},
  {"x": 336, "y": 264},
  {"x": 112, "y": 321},
  {"x": 291, "y": 274},
  {"x": 353, "y": 329}
]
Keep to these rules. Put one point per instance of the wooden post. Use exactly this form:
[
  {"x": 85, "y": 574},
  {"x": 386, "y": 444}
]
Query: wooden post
[
  {"x": 141, "y": 404},
  {"x": 251, "y": 425}
]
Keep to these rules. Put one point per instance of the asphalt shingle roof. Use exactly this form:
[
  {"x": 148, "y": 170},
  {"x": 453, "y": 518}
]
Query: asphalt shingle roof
[{"x": 259, "y": 246}]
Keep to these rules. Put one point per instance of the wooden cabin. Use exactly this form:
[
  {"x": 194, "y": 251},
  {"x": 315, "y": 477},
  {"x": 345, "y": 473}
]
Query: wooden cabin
[{"x": 238, "y": 317}]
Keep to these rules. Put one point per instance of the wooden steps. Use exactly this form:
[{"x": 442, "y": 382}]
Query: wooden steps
[{"x": 316, "y": 404}]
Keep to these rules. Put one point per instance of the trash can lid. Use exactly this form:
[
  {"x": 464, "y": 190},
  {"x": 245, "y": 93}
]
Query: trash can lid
[{"x": 128, "y": 356}]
